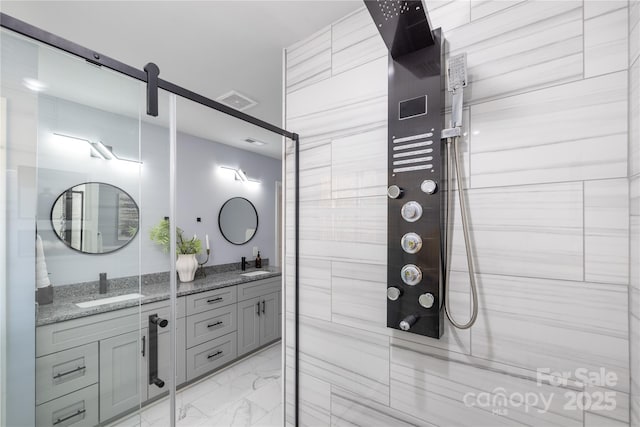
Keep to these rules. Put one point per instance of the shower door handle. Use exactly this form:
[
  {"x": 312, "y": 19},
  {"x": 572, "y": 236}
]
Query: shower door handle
[{"x": 154, "y": 322}]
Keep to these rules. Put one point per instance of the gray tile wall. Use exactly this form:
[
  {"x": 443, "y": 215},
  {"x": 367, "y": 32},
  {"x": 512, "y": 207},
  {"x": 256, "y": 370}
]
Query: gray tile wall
[
  {"x": 634, "y": 205},
  {"x": 547, "y": 162}
]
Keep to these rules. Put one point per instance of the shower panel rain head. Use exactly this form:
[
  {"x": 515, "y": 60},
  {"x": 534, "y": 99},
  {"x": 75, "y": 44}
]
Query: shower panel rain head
[
  {"x": 403, "y": 25},
  {"x": 415, "y": 167}
]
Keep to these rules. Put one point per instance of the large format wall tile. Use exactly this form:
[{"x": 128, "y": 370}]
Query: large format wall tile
[
  {"x": 309, "y": 61},
  {"x": 315, "y": 288},
  {"x": 448, "y": 14},
  {"x": 349, "y": 119},
  {"x": 606, "y": 41},
  {"x": 593, "y": 8},
  {"x": 456, "y": 394},
  {"x": 358, "y": 296},
  {"x": 533, "y": 231},
  {"x": 356, "y": 360},
  {"x": 634, "y": 336},
  {"x": 367, "y": 82},
  {"x": 529, "y": 45},
  {"x": 482, "y": 8},
  {"x": 359, "y": 164},
  {"x": 349, "y": 409},
  {"x": 571, "y": 132},
  {"x": 315, "y": 401},
  {"x": 551, "y": 324},
  {"x": 634, "y": 31},
  {"x": 355, "y": 41},
  {"x": 546, "y": 176},
  {"x": 606, "y": 231},
  {"x": 634, "y": 116}
]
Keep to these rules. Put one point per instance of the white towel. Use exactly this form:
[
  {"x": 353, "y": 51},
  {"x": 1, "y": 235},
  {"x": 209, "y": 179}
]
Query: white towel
[{"x": 42, "y": 276}]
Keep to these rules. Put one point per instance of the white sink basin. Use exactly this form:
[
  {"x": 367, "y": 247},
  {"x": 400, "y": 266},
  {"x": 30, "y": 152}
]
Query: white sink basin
[
  {"x": 111, "y": 300},
  {"x": 255, "y": 273}
]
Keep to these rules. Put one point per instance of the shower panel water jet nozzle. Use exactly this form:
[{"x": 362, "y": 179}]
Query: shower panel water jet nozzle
[{"x": 417, "y": 219}]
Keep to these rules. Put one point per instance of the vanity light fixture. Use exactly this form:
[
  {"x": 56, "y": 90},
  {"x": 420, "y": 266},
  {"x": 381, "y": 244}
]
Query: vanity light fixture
[
  {"x": 98, "y": 149},
  {"x": 239, "y": 174}
]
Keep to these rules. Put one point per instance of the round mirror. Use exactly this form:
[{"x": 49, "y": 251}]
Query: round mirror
[
  {"x": 95, "y": 218},
  {"x": 238, "y": 220}
]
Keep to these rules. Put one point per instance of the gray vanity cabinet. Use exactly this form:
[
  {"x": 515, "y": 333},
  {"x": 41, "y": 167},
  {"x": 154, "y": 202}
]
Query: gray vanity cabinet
[
  {"x": 122, "y": 374},
  {"x": 270, "y": 318},
  {"x": 258, "y": 322},
  {"x": 249, "y": 325}
]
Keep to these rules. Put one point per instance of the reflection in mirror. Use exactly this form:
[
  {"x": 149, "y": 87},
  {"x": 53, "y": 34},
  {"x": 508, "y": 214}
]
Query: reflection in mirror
[
  {"x": 238, "y": 220},
  {"x": 95, "y": 218}
]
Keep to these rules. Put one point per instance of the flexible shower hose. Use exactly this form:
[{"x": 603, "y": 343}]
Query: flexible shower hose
[{"x": 467, "y": 240}]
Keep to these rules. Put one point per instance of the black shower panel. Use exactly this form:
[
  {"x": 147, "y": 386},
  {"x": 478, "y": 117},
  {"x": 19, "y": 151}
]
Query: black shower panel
[{"x": 415, "y": 168}]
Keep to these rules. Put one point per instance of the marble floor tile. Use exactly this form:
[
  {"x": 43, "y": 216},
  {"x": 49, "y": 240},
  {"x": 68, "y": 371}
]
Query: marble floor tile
[
  {"x": 272, "y": 419},
  {"x": 246, "y": 393}
]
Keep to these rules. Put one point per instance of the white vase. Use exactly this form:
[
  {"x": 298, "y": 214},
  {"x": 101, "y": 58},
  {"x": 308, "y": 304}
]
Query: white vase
[{"x": 186, "y": 266}]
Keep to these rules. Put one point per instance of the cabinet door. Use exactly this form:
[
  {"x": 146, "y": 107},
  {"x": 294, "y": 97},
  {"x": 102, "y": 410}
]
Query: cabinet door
[
  {"x": 122, "y": 374},
  {"x": 269, "y": 318},
  {"x": 249, "y": 325},
  {"x": 164, "y": 359}
]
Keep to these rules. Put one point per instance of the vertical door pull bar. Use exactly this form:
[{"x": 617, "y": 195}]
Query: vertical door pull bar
[{"x": 154, "y": 322}]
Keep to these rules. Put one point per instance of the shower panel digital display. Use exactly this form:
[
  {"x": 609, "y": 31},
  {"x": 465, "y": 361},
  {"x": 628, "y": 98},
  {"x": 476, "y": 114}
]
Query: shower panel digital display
[{"x": 415, "y": 168}]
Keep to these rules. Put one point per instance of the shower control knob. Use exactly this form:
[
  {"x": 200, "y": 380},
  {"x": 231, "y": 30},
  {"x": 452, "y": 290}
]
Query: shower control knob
[
  {"x": 411, "y": 211},
  {"x": 411, "y": 243},
  {"x": 407, "y": 322},
  {"x": 394, "y": 192},
  {"x": 426, "y": 300},
  {"x": 429, "y": 186},
  {"x": 411, "y": 274},
  {"x": 393, "y": 293}
]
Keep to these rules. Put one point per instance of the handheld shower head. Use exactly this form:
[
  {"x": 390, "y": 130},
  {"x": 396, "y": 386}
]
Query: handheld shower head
[{"x": 457, "y": 72}]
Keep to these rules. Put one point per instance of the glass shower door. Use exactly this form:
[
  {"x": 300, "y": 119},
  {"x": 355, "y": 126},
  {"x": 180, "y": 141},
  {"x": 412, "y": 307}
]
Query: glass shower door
[{"x": 85, "y": 174}]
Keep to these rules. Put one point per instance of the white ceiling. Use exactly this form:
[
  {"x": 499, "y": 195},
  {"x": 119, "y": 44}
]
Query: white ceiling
[{"x": 209, "y": 47}]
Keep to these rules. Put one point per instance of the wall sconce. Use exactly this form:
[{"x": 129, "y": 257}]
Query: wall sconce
[
  {"x": 240, "y": 175},
  {"x": 98, "y": 149}
]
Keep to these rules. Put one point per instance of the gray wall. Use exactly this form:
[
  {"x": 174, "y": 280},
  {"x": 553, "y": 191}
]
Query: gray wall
[
  {"x": 201, "y": 188},
  {"x": 545, "y": 167}
]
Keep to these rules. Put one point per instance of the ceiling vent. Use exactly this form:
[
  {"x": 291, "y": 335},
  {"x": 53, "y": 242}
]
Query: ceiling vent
[
  {"x": 254, "y": 141},
  {"x": 236, "y": 100}
]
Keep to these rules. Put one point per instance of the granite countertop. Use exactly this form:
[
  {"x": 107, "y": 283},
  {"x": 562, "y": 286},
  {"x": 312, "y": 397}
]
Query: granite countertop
[{"x": 64, "y": 307}]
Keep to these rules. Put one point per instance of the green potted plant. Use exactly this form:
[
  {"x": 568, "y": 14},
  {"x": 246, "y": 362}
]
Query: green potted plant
[{"x": 186, "y": 249}]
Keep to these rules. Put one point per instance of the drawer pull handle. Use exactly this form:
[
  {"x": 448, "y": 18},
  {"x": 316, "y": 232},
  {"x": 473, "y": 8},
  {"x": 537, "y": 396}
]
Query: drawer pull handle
[
  {"x": 214, "y": 354},
  {"x": 211, "y": 325},
  {"x": 262, "y": 306},
  {"x": 60, "y": 375},
  {"x": 214, "y": 300},
  {"x": 258, "y": 308},
  {"x": 61, "y": 420}
]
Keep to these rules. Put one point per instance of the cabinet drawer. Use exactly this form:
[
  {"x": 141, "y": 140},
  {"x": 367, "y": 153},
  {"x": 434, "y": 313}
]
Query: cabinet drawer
[
  {"x": 70, "y": 370},
  {"x": 258, "y": 288},
  {"x": 210, "y": 324},
  {"x": 197, "y": 303},
  {"x": 72, "y": 333},
  {"x": 210, "y": 355},
  {"x": 78, "y": 409}
]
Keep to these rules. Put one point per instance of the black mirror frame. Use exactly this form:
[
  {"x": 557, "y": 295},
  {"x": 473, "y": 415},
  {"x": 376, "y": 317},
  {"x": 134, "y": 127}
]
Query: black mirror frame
[
  {"x": 94, "y": 253},
  {"x": 257, "y": 220}
]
